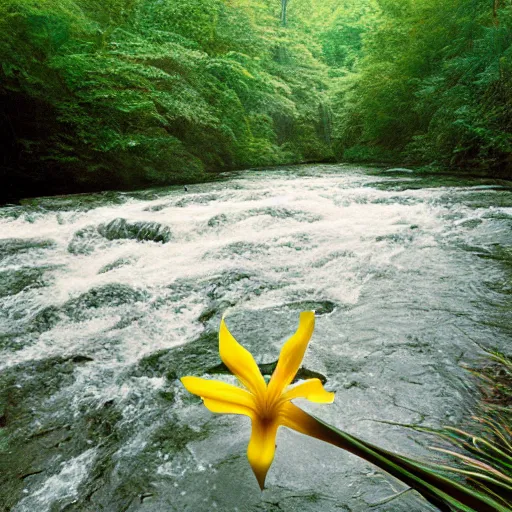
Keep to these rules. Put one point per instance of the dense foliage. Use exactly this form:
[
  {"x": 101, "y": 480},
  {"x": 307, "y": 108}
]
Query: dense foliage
[
  {"x": 122, "y": 93},
  {"x": 125, "y": 93},
  {"x": 433, "y": 84}
]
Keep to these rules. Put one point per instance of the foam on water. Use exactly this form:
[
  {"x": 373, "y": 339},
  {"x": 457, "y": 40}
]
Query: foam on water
[
  {"x": 62, "y": 486},
  {"x": 357, "y": 232}
]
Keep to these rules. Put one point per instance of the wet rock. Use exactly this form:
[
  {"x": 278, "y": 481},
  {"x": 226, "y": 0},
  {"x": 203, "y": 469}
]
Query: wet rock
[
  {"x": 421, "y": 180},
  {"x": 276, "y": 212},
  {"x": 109, "y": 295},
  {"x": 158, "y": 207},
  {"x": 46, "y": 319},
  {"x": 175, "y": 292},
  {"x": 398, "y": 170},
  {"x": 37, "y": 441},
  {"x": 230, "y": 288},
  {"x": 332, "y": 256},
  {"x": 298, "y": 242},
  {"x": 355, "y": 384},
  {"x": 396, "y": 238},
  {"x": 75, "y": 202},
  {"x": 10, "y": 341},
  {"x": 97, "y": 436},
  {"x": 503, "y": 287},
  {"x": 496, "y": 252},
  {"x": 220, "y": 285},
  {"x": 471, "y": 223},
  {"x": 181, "y": 288},
  {"x": 151, "y": 194},
  {"x": 246, "y": 250},
  {"x": 81, "y": 359},
  {"x": 24, "y": 385},
  {"x": 29, "y": 391},
  {"x": 82, "y": 307},
  {"x": 215, "y": 310},
  {"x": 13, "y": 282},
  {"x": 497, "y": 215},
  {"x": 218, "y": 220},
  {"x": 128, "y": 320},
  {"x": 500, "y": 253},
  {"x": 120, "y": 229},
  {"x": 487, "y": 199},
  {"x": 285, "y": 213},
  {"x": 194, "y": 358},
  {"x": 11, "y": 211},
  {"x": 406, "y": 200},
  {"x": 85, "y": 241},
  {"x": 222, "y": 291},
  {"x": 304, "y": 373},
  {"x": 101, "y": 422},
  {"x": 121, "y": 262},
  {"x": 320, "y": 308},
  {"x": 11, "y": 246},
  {"x": 196, "y": 199},
  {"x": 121, "y": 482},
  {"x": 199, "y": 357}
]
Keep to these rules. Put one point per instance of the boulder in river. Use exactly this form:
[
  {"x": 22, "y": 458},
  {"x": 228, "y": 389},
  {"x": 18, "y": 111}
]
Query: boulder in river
[
  {"x": 14, "y": 281},
  {"x": 142, "y": 231},
  {"x": 87, "y": 239},
  {"x": 195, "y": 357},
  {"x": 113, "y": 294},
  {"x": 321, "y": 307},
  {"x": 399, "y": 170},
  {"x": 83, "y": 306},
  {"x": 12, "y": 246}
]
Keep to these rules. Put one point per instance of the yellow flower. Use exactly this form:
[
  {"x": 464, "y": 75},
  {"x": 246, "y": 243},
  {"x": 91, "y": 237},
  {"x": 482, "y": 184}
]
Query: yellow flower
[{"x": 268, "y": 406}]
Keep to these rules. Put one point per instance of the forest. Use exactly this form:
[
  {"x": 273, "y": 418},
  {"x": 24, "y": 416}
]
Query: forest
[{"x": 120, "y": 94}]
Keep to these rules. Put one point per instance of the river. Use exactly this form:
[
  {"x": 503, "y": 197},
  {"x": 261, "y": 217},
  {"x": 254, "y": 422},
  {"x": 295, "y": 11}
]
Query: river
[{"x": 107, "y": 299}]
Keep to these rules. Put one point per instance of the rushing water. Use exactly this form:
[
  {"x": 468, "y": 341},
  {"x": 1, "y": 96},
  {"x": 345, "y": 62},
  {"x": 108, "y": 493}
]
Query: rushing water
[{"x": 106, "y": 300}]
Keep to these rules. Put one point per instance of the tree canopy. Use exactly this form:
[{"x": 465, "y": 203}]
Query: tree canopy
[{"x": 126, "y": 93}]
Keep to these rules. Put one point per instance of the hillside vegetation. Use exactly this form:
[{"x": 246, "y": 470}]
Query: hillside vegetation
[{"x": 129, "y": 93}]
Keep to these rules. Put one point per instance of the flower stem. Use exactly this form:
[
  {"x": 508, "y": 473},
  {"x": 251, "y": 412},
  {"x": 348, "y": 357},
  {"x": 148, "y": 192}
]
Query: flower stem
[{"x": 442, "y": 492}]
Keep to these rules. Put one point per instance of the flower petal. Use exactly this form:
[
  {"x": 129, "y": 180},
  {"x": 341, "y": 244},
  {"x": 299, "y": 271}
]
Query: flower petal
[
  {"x": 292, "y": 354},
  {"x": 262, "y": 447},
  {"x": 311, "y": 389},
  {"x": 240, "y": 361},
  {"x": 221, "y": 407},
  {"x": 217, "y": 390},
  {"x": 295, "y": 418}
]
